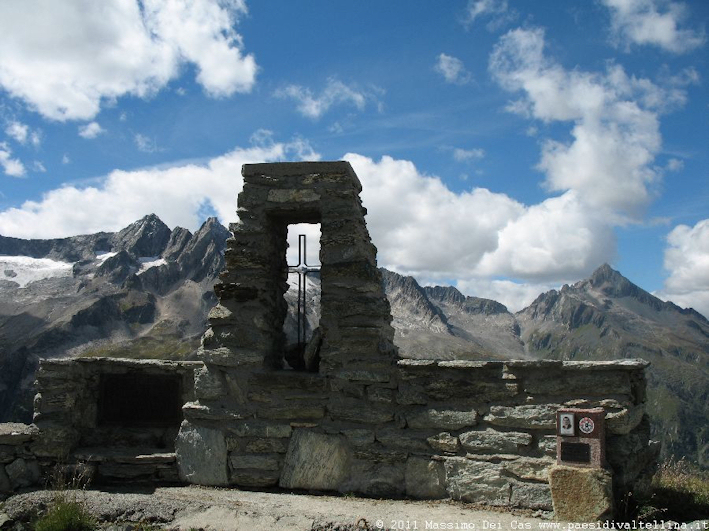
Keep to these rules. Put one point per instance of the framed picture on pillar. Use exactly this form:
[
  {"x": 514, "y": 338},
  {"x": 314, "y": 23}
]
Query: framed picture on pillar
[{"x": 566, "y": 425}]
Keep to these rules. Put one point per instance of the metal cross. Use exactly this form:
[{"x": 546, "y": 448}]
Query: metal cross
[{"x": 302, "y": 269}]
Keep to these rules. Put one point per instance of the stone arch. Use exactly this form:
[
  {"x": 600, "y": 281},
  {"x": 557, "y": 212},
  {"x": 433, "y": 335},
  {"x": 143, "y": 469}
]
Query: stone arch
[{"x": 246, "y": 325}]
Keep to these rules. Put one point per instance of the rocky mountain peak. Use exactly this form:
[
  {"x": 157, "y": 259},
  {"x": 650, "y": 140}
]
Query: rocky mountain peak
[
  {"x": 447, "y": 294},
  {"x": 213, "y": 231},
  {"x": 615, "y": 286},
  {"x": 611, "y": 282},
  {"x": 146, "y": 237}
]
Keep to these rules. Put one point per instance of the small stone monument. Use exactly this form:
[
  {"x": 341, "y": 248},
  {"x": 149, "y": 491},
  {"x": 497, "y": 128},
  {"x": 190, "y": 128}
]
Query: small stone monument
[{"x": 581, "y": 488}]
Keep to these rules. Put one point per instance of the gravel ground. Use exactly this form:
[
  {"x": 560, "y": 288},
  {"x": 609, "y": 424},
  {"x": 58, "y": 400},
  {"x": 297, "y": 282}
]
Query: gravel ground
[{"x": 190, "y": 508}]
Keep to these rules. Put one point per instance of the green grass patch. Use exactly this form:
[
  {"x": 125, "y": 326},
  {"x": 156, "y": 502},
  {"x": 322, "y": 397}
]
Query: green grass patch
[
  {"x": 680, "y": 492},
  {"x": 160, "y": 348},
  {"x": 66, "y": 515}
]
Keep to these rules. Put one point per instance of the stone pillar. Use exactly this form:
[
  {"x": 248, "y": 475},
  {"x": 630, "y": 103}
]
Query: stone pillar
[
  {"x": 238, "y": 392},
  {"x": 246, "y": 326}
]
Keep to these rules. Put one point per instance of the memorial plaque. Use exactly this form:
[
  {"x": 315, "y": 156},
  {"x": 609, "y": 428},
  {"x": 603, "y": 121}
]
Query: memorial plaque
[
  {"x": 581, "y": 437},
  {"x": 575, "y": 452}
]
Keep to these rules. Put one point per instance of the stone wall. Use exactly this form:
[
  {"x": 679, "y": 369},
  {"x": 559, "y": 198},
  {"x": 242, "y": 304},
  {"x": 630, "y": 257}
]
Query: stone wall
[
  {"x": 359, "y": 418},
  {"x": 474, "y": 431},
  {"x": 71, "y": 429},
  {"x": 18, "y": 465}
]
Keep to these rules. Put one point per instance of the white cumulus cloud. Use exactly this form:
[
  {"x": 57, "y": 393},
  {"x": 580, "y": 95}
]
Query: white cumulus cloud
[
  {"x": 653, "y": 22},
  {"x": 424, "y": 229},
  {"x": 90, "y": 130},
  {"x": 335, "y": 93},
  {"x": 614, "y": 122},
  {"x": 176, "y": 194},
  {"x": 11, "y": 167},
  {"x": 463, "y": 155},
  {"x": 18, "y": 131},
  {"x": 497, "y": 11},
  {"x": 452, "y": 69},
  {"x": 420, "y": 226},
  {"x": 145, "y": 144},
  {"x": 515, "y": 295},
  {"x": 65, "y": 59},
  {"x": 687, "y": 260}
]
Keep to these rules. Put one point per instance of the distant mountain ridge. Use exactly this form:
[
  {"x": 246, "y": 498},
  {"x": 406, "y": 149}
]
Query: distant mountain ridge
[{"x": 145, "y": 291}]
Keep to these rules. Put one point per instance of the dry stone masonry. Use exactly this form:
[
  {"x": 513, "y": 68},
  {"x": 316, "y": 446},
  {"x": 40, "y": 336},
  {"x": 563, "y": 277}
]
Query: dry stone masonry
[
  {"x": 360, "y": 419},
  {"x": 356, "y": 417}
]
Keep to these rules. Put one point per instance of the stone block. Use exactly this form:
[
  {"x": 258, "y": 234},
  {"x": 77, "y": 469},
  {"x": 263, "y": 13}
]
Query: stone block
[
  {"x": 425, "y": 478},
  {"x": 359, "y": 437},
  {"x": 624, "y": 421},
  {"x": 348, "y": 389},
  {"x": 258, "y": 462},
  {"x": 380, "y": 394},
  {"x": 469, "y": 389},
  {"x": 23, "y": 473},
  {"x": 378, "y": 453},
  {"x": 402, "y": 439},
  {"x": 293, "y": 196},
  {"x": 7, "y": 453},
  {"x": 15, "y": 433},
  {"x": 531, "y": 496},
  {"x": 579, "y": 383},
  {"x": 376, "y": 479},
  {"x": 266, "y": 446},
  {"x": 476, "y": 481},
  {"x": 201, "y": 455},
  {"x": 5, "y": 485},
  {"x": 632, "y": 456},
  {"x": 581, "y": 494},
  {"x": 262, "y": 429},
  {"x": 446, "y": 419},
  {"x": 541, "y": 416},
  {"x": 315, "y": 461},
  {"x": 255, "y": 478},
  {"x": 55, "y": 440},
  {"x": 292, "y": 412},
  {"x": 491, "y": 440},
  {"x": 195, "y": 410},
  {"x": 547, "y": 444},
  {"x": 363, "y": 375},
  {"x": 125, "y": 471},
  {"x": 444, "y": 442},
  {"x": 237, "y": 388},
  {"x": 287, "y": 380},
  {"x": 359, "y": 411},
  {"x": 208, "y": 384},
  {"x": 411, "y": 395},
  {"x": 531, "y": 468},
  {"x": 228, "y": 357}
]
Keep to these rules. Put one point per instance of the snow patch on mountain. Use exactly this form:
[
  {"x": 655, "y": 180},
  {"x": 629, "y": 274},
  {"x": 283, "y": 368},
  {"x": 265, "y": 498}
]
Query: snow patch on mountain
[
  {"x": 146, "y": 262},
  {"x": 102, "y": 257},
  {"x": 24, "y": 270}
]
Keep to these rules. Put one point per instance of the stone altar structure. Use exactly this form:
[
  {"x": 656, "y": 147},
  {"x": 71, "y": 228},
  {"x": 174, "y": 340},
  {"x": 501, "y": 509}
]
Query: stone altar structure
[{"x": 358, "y": 418}]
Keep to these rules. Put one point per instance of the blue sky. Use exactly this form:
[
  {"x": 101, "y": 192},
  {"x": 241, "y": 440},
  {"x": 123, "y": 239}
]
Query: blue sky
[{"x": 507, "y": 147}]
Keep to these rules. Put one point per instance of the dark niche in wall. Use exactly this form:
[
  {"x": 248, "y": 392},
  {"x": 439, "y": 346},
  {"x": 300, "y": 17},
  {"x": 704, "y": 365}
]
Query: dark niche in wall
[{"x": 140, "y": 399}]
